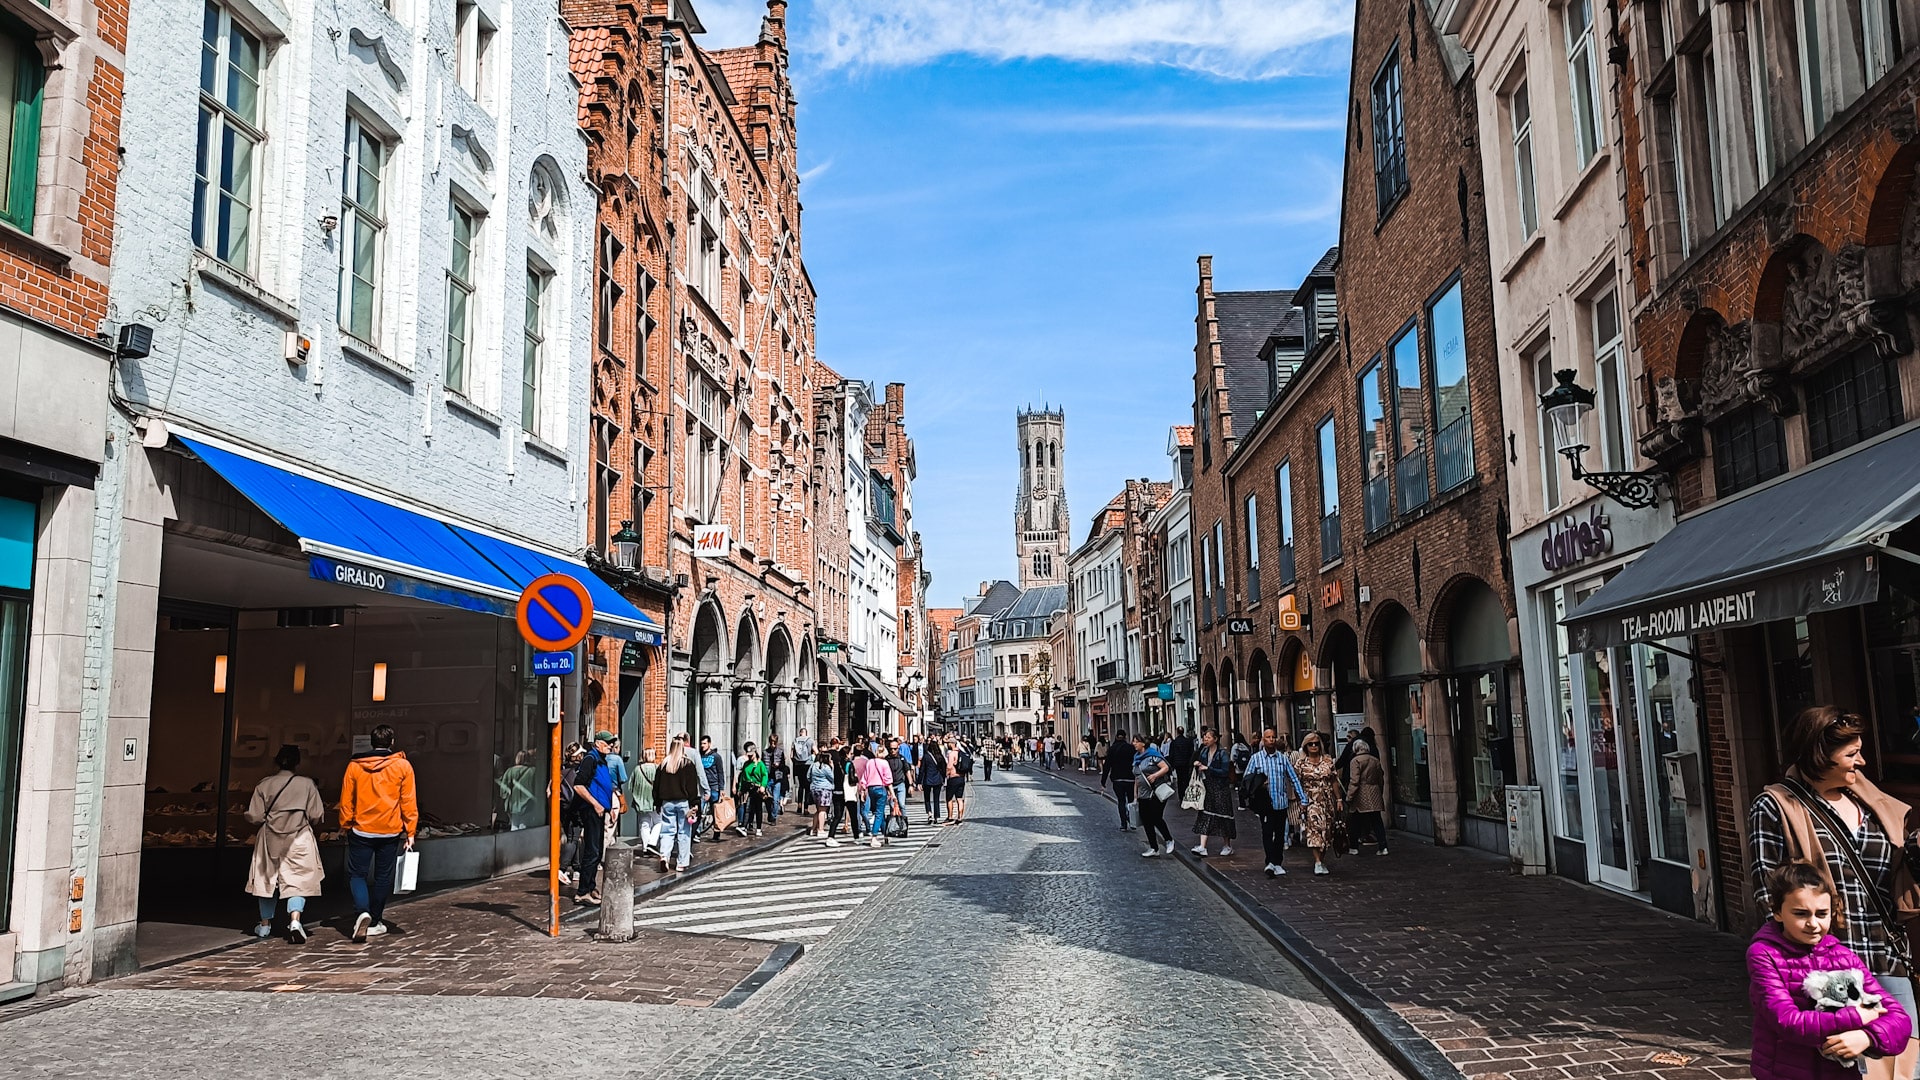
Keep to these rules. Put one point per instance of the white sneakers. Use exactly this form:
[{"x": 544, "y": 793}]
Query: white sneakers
[
  {"x": 1150, "y": 853},
  {"x": 376, "y": 929},
  {"x": 832, "y": 842},
  {"x": 1276, "y": 871},
  {"x": 1228, "y": 850},
  {"x": 1201, "y": 850},
  {"x": 361, "y": 926},
  {"x": 1169, "y": 847},
  {"x": 1382, "y": 851},
  {"x": 296, "y": 933},
  {"x": 1321, "y": 868}
]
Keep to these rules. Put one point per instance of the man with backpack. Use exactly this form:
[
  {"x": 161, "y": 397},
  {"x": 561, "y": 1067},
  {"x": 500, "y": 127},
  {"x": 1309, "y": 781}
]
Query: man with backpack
[
  {"x": 594, "y": 802},
  {"x": 959, "y": 768}
]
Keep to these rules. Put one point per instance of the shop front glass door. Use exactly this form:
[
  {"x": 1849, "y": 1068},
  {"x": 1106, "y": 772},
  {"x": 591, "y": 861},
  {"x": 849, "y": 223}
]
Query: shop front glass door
[
  {"x": 1482, "y": 744},
  {"x": 1607, "y": 702}
]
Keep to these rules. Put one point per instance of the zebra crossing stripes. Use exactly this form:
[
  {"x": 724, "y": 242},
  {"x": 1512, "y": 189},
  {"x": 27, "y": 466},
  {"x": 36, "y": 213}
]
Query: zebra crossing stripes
[{"x": 797, "y": 893}]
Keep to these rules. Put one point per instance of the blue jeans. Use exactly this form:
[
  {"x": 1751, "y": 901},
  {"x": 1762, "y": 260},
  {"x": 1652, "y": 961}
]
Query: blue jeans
[
  {"x": 370, "y": 863},
  {"x": 676, "y": 834},
  {"x": 877, "y": 811},
  {"x": 268, "y": 904},
  {"x": 779, "y": 791},
  {"x": 899, "y": 800}
]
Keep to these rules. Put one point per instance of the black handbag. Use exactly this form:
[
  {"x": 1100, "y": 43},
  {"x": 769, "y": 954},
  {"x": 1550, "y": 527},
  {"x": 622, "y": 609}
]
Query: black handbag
[{"x": 896, "y": 826}]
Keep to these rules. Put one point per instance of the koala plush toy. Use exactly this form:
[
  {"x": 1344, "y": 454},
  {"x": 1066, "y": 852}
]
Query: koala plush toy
[{"x": 1837, "y": 990}]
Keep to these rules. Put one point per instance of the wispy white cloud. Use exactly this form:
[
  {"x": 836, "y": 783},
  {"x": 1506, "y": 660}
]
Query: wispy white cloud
[
  {"x": 730, "y": 22},
  {"x": 807, "y": 176},
  {"x": 1179, "y": 120},
  {"x": 1231, "y": 38}
]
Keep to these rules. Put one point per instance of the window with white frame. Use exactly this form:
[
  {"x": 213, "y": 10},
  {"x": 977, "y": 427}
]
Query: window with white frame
[
  {"x": 704, "y": 240},
  {"x": 1583, "y": 79},
  {"x": 1520, "y": 123},
  {"x": 227, "y": 154},
  {"x": 607, "y": 288},
  {"x": 1612, "y": 398},
  {"x": 473, "y": 49},
  {"x": 363, "y": 226},
  {"x": 460, "y": 277},
  {"x": 533, "y": 351},
  {"x": 1551, "y": 464}
]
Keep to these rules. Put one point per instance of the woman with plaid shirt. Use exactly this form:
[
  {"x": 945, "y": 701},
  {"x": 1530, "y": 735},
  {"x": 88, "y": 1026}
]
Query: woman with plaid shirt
[{"x": 1794, "y": 820}]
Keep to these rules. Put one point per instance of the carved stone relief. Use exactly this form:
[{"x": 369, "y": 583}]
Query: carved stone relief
[
  {"x": 1828, "y": 307},
  {"x": 1732, "y": 378}
]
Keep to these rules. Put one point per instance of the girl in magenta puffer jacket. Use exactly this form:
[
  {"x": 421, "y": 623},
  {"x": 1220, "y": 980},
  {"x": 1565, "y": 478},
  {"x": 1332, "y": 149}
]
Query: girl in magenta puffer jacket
[{"x": 1792, "y": 1040}]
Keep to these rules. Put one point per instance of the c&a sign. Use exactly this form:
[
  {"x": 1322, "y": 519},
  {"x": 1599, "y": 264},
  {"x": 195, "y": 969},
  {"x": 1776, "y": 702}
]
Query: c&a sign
[{"x": 1570, "y": 542}]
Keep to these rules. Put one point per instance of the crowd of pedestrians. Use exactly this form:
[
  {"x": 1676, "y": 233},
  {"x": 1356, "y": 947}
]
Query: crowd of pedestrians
[{"x": 1304, "y": 797}]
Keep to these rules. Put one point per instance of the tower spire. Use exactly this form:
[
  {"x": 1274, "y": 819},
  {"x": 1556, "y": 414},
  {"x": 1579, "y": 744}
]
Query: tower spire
[{"x": 1042, "y": 530}]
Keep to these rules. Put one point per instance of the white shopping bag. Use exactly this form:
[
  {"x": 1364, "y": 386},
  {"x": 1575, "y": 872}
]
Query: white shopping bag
[{"x": 406, "y": 873}]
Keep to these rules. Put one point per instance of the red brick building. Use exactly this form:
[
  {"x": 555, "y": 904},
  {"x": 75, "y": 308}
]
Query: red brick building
[
  {"x": 1351, "y": 464},
  {"x": 1771, "y": 190},
  {"x": 703, "y": 391},
  {"x": 59, "y": 176}
]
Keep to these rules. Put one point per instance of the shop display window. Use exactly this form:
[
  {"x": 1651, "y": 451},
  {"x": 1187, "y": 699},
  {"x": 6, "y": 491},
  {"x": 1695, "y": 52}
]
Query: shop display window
[
  {"x": 1571, "y": 819},
  {"x": 1406, "y": 717},
  {"x": 454, "y": 686},
  {"x": 17, "y": 530},
  {"x": 1893, "y": 641}
]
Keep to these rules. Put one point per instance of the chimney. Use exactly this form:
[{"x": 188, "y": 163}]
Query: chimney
[{"x": 773, "y": 28}]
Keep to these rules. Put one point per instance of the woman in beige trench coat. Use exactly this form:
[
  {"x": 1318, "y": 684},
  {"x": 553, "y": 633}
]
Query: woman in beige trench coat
[{"x": 286, "y": 856}]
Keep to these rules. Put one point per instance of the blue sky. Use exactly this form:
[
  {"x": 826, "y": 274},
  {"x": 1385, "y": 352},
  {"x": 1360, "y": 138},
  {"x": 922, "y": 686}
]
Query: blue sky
[{"x": 1004, "y": 200}]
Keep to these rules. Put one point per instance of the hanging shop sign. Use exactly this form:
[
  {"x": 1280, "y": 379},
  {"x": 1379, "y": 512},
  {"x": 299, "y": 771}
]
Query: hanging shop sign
[
  {"x": 712, "y": 541},
  {"x": 1291, "y": 619},
  {"x": 1846, "y": 582},
  {"x": 1239, "y": 627},
  {"x": 1570, "y": 541},
  {"x": 1166, "y": 691},
  {"x": 1332, "y": 593}
]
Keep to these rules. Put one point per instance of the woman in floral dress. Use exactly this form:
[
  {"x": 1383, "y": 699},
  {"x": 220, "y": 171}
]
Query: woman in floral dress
[{"x": 1322, "y": 781}]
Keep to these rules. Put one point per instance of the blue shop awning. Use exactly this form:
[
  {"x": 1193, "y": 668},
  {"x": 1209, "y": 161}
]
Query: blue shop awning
[{"x": 368, "y": 543}]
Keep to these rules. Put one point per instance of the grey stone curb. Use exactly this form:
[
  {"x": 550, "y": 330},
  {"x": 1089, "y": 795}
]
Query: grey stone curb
[
  {"x": 776, "y": 962},
  {"x": 1401, "y": 1043}
]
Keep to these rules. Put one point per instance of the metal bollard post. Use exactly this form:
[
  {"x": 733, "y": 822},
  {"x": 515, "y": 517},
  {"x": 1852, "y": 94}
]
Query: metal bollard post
[{"x": 616, "y": 890}]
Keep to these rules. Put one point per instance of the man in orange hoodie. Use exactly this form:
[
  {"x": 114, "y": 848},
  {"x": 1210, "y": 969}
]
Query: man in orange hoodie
[{"x": 379, "y": 816}]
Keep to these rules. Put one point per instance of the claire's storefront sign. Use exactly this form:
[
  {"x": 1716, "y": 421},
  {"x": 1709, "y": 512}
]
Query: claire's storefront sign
[{"x": 1570, "y": 541}]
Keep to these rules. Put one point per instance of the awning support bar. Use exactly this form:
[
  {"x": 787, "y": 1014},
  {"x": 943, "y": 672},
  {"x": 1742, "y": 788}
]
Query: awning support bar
[{"x": 1691, "y": 658}]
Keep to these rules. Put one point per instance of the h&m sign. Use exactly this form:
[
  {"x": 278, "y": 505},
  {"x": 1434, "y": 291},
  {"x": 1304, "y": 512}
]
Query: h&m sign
[{"x": 712, "y": 541}]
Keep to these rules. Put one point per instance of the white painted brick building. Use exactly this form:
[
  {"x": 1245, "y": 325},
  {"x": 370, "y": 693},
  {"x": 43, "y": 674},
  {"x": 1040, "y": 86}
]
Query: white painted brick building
[{"x": 269, "y": 152}]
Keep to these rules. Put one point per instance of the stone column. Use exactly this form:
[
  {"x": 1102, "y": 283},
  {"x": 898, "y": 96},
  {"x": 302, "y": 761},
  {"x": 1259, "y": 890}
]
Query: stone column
[
  {"x": 1442, "y": 777},
  {"x": 746, "y": 715},
  {"x": 716, "y": 712},
  {"x": 784, "y": 722},
  {"x": 679, "y": 701}
]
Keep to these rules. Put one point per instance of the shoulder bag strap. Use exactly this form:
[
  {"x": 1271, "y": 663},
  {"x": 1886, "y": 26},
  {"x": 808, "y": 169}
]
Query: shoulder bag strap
[{"x": 1896, "y": 933}]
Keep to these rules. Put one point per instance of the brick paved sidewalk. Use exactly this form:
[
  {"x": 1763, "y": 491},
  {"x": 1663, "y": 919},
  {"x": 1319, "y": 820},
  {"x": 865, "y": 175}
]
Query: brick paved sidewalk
[
  {"x": 488, "y": 940},
  {"x": 1514, "y": 978}
]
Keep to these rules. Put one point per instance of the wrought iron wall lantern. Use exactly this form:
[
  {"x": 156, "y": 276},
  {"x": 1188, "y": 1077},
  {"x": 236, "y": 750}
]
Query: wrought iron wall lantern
[{"x": 1567, "y": 406}]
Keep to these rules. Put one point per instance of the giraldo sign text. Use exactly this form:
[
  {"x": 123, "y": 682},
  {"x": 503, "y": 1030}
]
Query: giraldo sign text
[{"x": 1570, "y": 541}]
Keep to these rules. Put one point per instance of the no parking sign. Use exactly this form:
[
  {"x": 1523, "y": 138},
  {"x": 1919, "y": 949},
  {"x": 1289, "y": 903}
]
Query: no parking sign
[{"x": 554, "y": 613}]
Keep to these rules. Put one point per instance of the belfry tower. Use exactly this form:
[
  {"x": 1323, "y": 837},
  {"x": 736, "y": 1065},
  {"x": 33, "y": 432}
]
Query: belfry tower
[{"x": 1042, "y": 534}]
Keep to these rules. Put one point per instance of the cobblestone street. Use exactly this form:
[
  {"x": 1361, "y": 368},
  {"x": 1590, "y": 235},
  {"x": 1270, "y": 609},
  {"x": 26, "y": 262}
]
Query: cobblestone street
[{"x": 1037, "y": 925}]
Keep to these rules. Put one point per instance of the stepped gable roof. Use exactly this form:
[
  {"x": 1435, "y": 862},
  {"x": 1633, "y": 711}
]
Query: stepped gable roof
[{"x": 1247, "y": 320}]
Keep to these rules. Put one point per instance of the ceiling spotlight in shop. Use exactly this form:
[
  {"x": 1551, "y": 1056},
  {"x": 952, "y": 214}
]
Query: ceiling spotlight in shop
[
  {"x": 379, "y": 682},
  {"x": 300, "y": 678},
  {"x": 220, "y": 674}
]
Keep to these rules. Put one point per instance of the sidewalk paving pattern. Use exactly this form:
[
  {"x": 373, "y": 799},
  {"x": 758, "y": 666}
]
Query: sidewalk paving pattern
[
  {"x": 486, "y": 940},
  {"x": 1513, "y": 978},
  {"x": 799, "y": 893}
]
